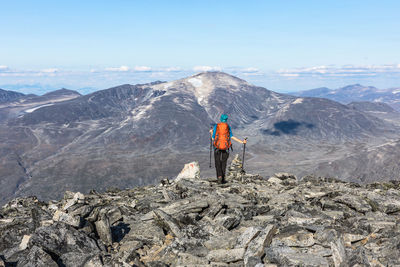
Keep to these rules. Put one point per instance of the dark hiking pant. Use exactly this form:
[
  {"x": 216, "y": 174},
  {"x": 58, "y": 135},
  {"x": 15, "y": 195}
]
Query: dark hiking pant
[{"x": 221, "y": 158}]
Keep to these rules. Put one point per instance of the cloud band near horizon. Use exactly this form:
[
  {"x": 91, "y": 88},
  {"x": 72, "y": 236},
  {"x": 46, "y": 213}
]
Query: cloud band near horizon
[{"x": 279, "y": 80}]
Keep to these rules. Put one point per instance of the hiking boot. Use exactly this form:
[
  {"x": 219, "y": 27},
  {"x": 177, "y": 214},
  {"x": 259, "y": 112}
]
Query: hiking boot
[{"x": 220, "y": 180}]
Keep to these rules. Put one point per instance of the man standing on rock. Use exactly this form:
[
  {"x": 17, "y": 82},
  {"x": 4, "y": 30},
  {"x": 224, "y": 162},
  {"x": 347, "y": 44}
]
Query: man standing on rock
[{"x": 221, "y": 136}]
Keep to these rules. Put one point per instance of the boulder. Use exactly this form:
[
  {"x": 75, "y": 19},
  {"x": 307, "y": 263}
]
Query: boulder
[
  {"x": 61, "y": 238},
  {"x": 37, "y": 257},
  {"x": 103, "y": 229},
  {"x": 190, "y": 171},
  {"x": 227, "y": 256}
]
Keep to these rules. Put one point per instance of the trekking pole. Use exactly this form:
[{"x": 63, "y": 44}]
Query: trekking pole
[
  {"x": 210, "y": 148},
  {"x": 244, "y": 149}
]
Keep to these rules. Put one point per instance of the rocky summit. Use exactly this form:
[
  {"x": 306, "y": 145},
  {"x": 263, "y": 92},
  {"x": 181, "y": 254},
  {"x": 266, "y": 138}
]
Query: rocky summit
[{"x": 249, "y": 221}]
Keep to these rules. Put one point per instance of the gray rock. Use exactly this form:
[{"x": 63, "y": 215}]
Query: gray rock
[
  {"x": 226, "y": 241},
  {"x": 148, "y": 233},
  {"x": 213, "y": 227},
  {"x": 37, "y": 258},
  {"x": 302, "y": 239},
  {"x": 256, "y": 247},
  {"x": 103, "y": 230},
  {"x": 168, "y": 223},
  {"x": 60, "y": 216},
  {"x": 358, "y": 257},
  {"x": 24, "y": 243},
  {"x": 229, "y": 221},
  {"x": 285, "y": 256},
  {"x": 190, "y": 171},
  {"x": 185, "y": 259},
  {"x": 339, "y": 253},
  {"x": 94, "y": 261},
  {"x": 114, "y": 215},
  {"x": 354, "y": 202},
  {"x": 284, "y": 176},
  {"x": 61, "y": 238},
  {"x": 247, "y": 236},
  {"x": 72, "y": 259},
  {"x": 223, "y": 255}
]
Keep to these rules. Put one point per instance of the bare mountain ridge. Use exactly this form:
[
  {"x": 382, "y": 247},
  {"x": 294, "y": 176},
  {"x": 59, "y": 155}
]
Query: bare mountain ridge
[
  {"x": 366, "y": 106},
  {"x": 134, "y": 134},
  {"x": 216, "y": 93},
  {"x": 21, "y": 104},
  {"x": 7, "y": 96},
  {"x": 356, "y": 93}
]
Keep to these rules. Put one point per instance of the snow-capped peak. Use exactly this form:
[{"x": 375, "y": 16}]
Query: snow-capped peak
[{"x": 203, "y": 84}]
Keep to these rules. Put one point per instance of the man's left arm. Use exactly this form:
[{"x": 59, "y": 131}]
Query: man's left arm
[{"x": 244, "y": 141}]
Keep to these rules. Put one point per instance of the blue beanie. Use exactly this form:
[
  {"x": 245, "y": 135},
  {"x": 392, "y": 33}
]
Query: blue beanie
[{"x": 224, "y": 118}]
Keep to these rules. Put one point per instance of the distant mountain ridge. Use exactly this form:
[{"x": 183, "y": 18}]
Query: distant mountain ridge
[
  {"x": 14, "y": 104},
  {"x": 356, "y": 93},
  {"x": 7, "y": 96}
]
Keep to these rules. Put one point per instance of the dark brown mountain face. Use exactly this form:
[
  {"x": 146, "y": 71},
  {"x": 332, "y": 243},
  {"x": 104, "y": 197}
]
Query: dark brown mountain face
[{"x": 135, "y": 134}]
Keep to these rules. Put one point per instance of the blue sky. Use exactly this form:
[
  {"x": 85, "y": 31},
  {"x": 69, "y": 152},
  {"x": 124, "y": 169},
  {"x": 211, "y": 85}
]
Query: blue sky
[{"x": 282, "y": 45}]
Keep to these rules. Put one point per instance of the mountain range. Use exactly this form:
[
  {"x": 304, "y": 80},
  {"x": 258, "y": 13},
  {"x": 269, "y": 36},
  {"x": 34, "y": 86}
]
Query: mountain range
[
  {"x": 137, "y": 134},
  {"x": 356, "y": 93}
]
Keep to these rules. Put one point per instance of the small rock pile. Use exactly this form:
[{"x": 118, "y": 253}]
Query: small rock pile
[{"x": 250, "y": 221}]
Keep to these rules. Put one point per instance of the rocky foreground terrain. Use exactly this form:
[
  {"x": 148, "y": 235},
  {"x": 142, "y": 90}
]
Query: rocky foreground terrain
[{"x": 249, "y": 221}]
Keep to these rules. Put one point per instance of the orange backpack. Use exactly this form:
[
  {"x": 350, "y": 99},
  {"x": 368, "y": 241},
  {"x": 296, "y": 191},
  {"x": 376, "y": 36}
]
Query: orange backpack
[{"x": 222, "y": 137}]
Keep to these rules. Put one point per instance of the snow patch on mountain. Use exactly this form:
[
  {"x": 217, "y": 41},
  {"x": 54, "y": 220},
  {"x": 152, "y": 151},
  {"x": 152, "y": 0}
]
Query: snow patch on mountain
[
  {"x": 278, "y": 98},
  {"x": 36, "y": 108},
  {"x": 184, "y": 104},
  {"x": 167, "y": 85},
  {"x": 140, "y": 112},
  {"x": 196, "y": 82},
  {"x": 298, "y": 101},
  {"x": 202, "y": 88}
]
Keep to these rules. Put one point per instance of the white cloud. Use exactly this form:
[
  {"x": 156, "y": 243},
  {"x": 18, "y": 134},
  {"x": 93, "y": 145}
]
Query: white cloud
[
  {"x": 250, "y": 70},
  {"x": 172, "y": 69},
  {"x": 142, "y": 68},
  {"x": 206, "y": 68},
  {"x": 290, "y": 74},
  {"x": 51, "y": 70},
  {"x": 3, "y": 68},
  {"x": 341, "y": 71},
  {"x": 122, "y": 68}
]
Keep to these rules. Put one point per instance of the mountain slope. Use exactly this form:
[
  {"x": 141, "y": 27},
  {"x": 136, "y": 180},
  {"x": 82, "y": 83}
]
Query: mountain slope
[
  {"x": 322, "y": 118},
  {"x": 8, "y": 96},
  {"x": 134, "y": 134},
  {"x": 366, "y": 164},
  {"x": 24, "y": 104}
]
